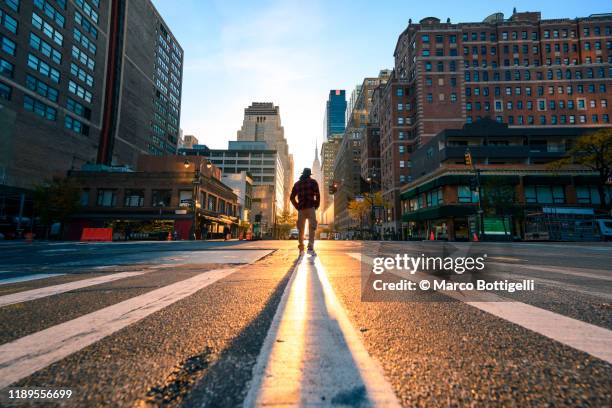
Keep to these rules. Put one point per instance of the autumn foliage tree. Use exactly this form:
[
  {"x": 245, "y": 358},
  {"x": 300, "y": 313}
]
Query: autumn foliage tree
[{"x": 593, "y": 151}]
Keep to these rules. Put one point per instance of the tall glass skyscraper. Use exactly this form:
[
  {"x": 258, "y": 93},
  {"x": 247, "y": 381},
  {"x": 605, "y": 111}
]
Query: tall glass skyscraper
[{"x": 334, "y": 112}]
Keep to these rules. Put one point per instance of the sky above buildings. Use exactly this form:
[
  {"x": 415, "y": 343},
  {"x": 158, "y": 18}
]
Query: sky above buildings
[{"x": 293, "y": 52}]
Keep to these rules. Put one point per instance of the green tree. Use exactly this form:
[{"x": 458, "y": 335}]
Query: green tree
[
  {"x": 56, "y": 200},
  {"x": 593, "y": 151}
]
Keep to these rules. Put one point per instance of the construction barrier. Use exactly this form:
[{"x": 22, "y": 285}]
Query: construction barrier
[{"x": 97, "y": 234}]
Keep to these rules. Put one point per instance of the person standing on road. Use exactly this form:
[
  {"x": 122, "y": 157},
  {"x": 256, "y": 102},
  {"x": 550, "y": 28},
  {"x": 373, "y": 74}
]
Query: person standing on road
[{"x": 306, "y": 190}]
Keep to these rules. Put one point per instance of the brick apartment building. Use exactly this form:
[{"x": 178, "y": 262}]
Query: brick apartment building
[{"x": 523, "y": 71}]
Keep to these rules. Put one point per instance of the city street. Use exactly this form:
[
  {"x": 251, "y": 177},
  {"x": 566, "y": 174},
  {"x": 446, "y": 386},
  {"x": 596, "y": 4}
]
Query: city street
[{"x": 252, "y": 323}]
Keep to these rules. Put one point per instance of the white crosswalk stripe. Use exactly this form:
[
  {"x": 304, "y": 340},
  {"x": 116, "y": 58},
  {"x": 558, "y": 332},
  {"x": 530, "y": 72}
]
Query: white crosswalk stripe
[
  {"x": 22, "y": 357},
  {"x": 62, "y": 288},
  {"x": 594, "y": 340}
]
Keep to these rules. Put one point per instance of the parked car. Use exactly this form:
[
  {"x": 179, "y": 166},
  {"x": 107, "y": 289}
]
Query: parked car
[{"x": 293, "y": 234}]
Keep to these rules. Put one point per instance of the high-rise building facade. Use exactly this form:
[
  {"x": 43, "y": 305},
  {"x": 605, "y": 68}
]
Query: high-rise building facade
[
  {"x": 370, "y": 145},
  {"x": 84, "y": 81},
  {"x": 262, "y": 123},
  {"x": 335, "y": 111},
  {"x": 348, "y": 162},
  {"x": 523, "y": 71},
  {"x": 329, "y": 150}
]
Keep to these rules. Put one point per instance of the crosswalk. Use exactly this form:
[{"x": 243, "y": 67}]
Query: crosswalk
[
  {"x": 26, "y": 355},
  {"x": 312, "y": 355}
]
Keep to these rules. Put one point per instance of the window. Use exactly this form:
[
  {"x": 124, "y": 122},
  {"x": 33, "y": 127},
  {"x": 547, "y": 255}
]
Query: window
[
  {"x": 84, "y": 40},
  {"x": 80, "y": 73},
  {"x": 41, "y": 88},
  {"x": 79, "y": 91},
  {"x": 106, "y": 198},
  {"x": 212, "y": 203},
  {"x": 590, "y": 194},
  {"x": 77, "y": 108},
  {"x": 83, "y": 58},
  {"x": 5, "y": 92},
  {"x": 84, "y": 199},
  {"x": 50, "y": 11},
  {"x": 87, "y": 26},
  {"x": 545, "y": 194},
  {"x": 47, "y": 29},
  {"x": 87, "y": 9},
  {"x": 6, "y": 68},
  {"x": 134, "y": 198},
  {"x": 7, "y": 45},
  {"x": 8, "y": 22},
  {"x": 45, "y": 48},
  {"x": 434, "y": 197},
  {"x": 75, "y": 125},
  {"x": 13, "y": 4},
  {"x": 39, "y": 108},
  {"x": 429, "y": 98},
  {"x": 465, "y": 195},
  {"x": 453, "y": 97},
  {"x": 399, "y": 92}
]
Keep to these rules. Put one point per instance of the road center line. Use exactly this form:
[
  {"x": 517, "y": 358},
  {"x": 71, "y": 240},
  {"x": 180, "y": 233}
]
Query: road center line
[
  {"x": 22, "y": 357},
  {"x": 594, "y": 340},
  {"x": 312, "y": 354},
  {"x": 33, "y": 294}
]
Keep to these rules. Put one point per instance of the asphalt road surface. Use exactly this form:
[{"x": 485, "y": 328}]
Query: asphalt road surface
[{"x": 224, "y": 324}]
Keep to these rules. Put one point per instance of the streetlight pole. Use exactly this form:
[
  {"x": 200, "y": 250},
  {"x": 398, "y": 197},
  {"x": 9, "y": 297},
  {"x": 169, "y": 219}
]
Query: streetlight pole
[{"x": 470, "y": 162}]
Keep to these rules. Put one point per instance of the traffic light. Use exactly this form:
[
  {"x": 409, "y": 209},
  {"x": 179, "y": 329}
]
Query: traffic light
[
  {"x": 473, "y": 184},
  {"x": 468, "y": 158},
  {"x": 333, "y": 188}
]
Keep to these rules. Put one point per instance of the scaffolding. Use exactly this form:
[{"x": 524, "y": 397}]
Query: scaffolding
[{"x": 561, "y": 224}]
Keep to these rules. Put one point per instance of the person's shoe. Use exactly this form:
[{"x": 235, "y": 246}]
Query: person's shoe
[{"x": 311, "y": 250}]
